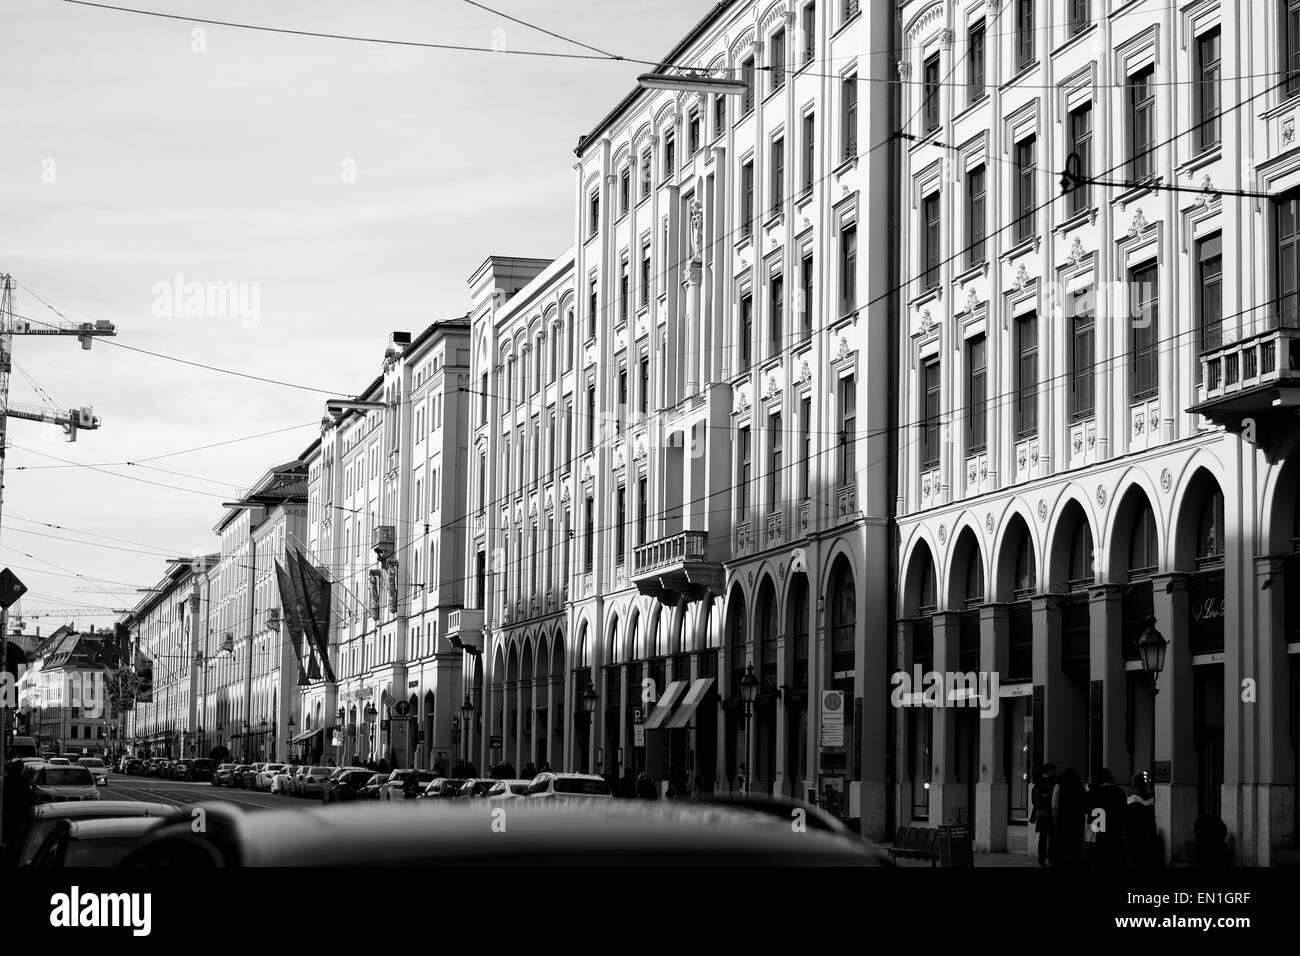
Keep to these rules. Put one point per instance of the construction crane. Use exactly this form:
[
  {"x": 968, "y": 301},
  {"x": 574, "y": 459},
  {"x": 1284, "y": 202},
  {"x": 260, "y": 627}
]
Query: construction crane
[{"x": 71, "y": 420}]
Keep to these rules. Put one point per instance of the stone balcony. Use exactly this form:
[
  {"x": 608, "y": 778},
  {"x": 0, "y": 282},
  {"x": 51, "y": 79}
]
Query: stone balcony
[
  {"x": 465, "y": 629},
  {"x": 675, "y": 563},
  {"x": 1251, "y": 380}
]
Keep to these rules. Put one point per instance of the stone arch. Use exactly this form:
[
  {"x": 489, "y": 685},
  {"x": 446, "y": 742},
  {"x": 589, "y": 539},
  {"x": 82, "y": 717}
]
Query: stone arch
[
  {"x": 765, "y": 625},
  {"x": 1133, "y": 507},
  {"x": 700, "y": 633},
  {"x": 1071, "y": 497},
  {"x": 737, "y": 631},
  {"x": 920, "y": 586},
  {"x": 1013, "y": 561},
  {"x": 558, "y": 660},
  {"x": 582, "y": 656},
  {"x": 773, "y": 12},
  {"x": 967, "y": 576},
  {"x": 609, "y": 643},
  {"x": 1072, "y": 547},
  {"x": 632, "y": 637},
  {"x": 1187, "y": 533},
  {"x": 839, "y": 549}
]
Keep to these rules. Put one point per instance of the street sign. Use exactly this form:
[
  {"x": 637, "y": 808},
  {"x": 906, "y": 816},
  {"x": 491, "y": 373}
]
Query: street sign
[
  {"x": 11, "y": 589},
  {"x": 832, "y": 718},
  {"x": 402, "y": 708},
  {"x": 638, "y": 735}
]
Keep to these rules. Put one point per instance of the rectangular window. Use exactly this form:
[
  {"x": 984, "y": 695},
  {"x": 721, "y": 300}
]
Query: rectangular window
[
  {"x": 849, "y": 116},
  {"x": 625, "y": 191},
  {"x": 848, "y": 269},
  {"x": 1288, "y": 260},
  {"x": 1080, "y": 194},
  {"x": 1082, "y": 361},
  {"x": 670, "y": 154},
  {"x": 1080, "y": 16},
  {"x": 746, "y": 332},
  {"x": 624, "y": 289},
  {"x": 975, "y": 89},
  {"x": 805, "y": 446},
  {"x": 1144, "y": 317},
  {"x": 806, "y": 297},
  {"x": 1026, "y": 172},
  {"x": 589, "y": 535},
  {"x": 693, "y": 132},
  {"x": 778, "y": 175},
  {"x": 809, "y": 150},
  {"x": 645, "y": 384},
  {"x": 777, "y": 312},
  {"x": 620, "y": 529},
  {"x": 848, "y": 429},
  {"x": 620, "y": 420},
  {"x": 719, "y": 114},
  {"x": 1207, "y": 90},
  {"x": 747, "y": 198},
  {"x": 777, "y": 60},
  {"x": 1291, "y": 46},
  {"x": 1024, "y": 33},
  {"x": 930, "y": 395},
  {"x": 747, "y": 74},
  {"x": 976, "y": 395},
  {"x": 483, "y": 399},
  {"x": 593, "y": 306},
  {"x": 642, "y": 508},
  {"x": 931, "y": 241},
  {"x": 849, "y": 10},
  {"x": 537, "y": 449},
  {"x": 1142, "y": 123},
  {"x": 1026, "y": 376},
  {"x": 742, "y": 479},
  {"x": 519, "y": 457},
  {"x": 568, "y": 433},
  {"x": 645, "y": 273},
  {"x": 775, "y": 449},
  {"x": 593, "y": 227},
  {"x": 809, "y": 16},
  {"x": 591, "y": 417},
  {"x": 930, "y": 93},
  {"x": 482, "y": 482},
  {"x": 1209, "y": 305},
  {"x": 976, "y": 217}
]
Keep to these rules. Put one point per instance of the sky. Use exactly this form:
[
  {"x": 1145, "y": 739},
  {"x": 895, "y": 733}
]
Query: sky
[{"x": 336, "y": 190}]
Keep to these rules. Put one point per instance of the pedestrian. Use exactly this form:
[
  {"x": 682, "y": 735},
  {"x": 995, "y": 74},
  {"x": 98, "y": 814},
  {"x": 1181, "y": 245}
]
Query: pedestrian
[
  {"x": 1141, "y": 840},
  {"x": 645, "y": 787},
  {"x": 437, "y": 769},
  {"x": 1104, "y": 830},
  {"x": 1040, "y": 812},
  {"x": 1069, "y": 807},
  {"x": 530, "y": 771},
  {"x": 627, "y": 785},
  {"x": 677, "y": 780},
  {"x": 1212, "y": 851},
  {"x": 546, "y": 767},
  {"x": 470, "y": 769},
  {"x": 509, "y": 770}
]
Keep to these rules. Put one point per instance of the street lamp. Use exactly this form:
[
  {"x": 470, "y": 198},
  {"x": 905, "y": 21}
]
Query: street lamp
[
  {"x": 1151, "y": 648},
  {"x": 697, "y": 82},
  {"x": 748, "y": 691},
  {"x": 466, "y": 714},
  {"x": 292, "y": 725},
  {"x": 263, "y": 737},
  {"x": 587, "y": 702},
  {"x": 371, "y": 713}
]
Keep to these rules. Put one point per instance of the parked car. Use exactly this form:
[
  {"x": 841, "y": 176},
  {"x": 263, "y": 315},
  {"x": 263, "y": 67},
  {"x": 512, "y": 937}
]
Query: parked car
[
  {"x": 42, "y": 818},
  {"x": 59, "y": 761},
  {"x": 394, "y": 788},
  {"x": 312, "y": 782},
  {"x": 221, "y": 776},
  {"x": 295, "y": 781},
  {"x": 200, "y": 770},
  {"x": 54, "y": 783},
  {"x": 265, "y": 774},
  {"x": 370, "y": 791},
  {"x": 78, "y": 843},
  {"x": 442, "y": 788},
  {"x": 134, "y": 765},
  {"x": 179, "y": 769},
  {"x": 238, "y": 775},
  {"x": 152, "y": 765},
  {"x": 343, "y": 785},
  {"x": 568, "y": 786},
  {"x": 475, "y": 788},
  {"x": 562, "y": 833},
  {"x": 96, "y": 768},
  {"x": 282, "y": 780},
  {"x": 503, "y": 790}
]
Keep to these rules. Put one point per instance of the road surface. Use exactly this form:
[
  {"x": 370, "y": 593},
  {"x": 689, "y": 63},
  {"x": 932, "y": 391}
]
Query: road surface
[{"x": 181, "y": 793}]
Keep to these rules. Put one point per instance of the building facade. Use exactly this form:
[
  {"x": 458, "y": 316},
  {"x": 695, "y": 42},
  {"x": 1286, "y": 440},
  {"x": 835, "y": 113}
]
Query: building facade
[
  {"x": 674, "y": 427},
  {"x": 1096, "y": 422},
  {"x": 63, "y": 698}
]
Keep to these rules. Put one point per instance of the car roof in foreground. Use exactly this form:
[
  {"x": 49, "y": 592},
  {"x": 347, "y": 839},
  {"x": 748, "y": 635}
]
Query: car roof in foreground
[
  {"x": 472, "y": 833},
  {"x": 112, "y": 827},
  {"x": 102, "y": 808}
]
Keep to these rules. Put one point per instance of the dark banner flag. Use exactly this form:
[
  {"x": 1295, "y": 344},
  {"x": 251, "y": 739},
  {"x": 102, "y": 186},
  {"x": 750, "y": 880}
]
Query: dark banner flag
[
  {"x": 292, "y": 605},
  {"x": 143, "y": 679},
  {"x": 315, "y": 607}
]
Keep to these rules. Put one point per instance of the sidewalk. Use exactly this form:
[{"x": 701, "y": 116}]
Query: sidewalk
[{"x": 984, "y": 859}]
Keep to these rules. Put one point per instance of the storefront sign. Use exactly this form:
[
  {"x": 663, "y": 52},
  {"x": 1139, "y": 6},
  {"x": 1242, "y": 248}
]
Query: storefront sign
[{"x": 832, "y": 718}]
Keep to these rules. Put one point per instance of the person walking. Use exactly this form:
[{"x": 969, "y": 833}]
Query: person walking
[
  {"x": 1069, "y": 806},
  {"x": 1040, "y": 812},
  {"x": 1141, "y": 840},
  {"x": 645, "y": 787},
  {"x": 530, "y": 771},
  {"x": 1104, "y": 829}
]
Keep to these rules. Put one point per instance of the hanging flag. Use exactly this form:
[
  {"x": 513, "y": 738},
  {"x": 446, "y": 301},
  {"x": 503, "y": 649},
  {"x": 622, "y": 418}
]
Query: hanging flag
[
  {"x": 316, "y": 608},
  {"x": 292, "y": 604}
]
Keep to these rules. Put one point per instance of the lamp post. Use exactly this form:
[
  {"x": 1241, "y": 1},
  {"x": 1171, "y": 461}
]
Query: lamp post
[
  {"x": 466, "y": 715},
  {"x": 202, "y": 738},
  {"x": 1151, "y": 649},
  {"x": 748, "y": 691},
  {"x": 370, "y": 714},
  {"x": 292, "y": 725},
  {"x": 587, "y": 702},
  {"x": 263, "y": 738},
  {"x": 245, "y": 738},
  {"x": 339, "y": 716}
]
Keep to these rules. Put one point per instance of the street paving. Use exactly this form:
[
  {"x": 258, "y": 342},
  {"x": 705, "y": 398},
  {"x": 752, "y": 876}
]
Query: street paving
[{"x": 181, "y": 793}]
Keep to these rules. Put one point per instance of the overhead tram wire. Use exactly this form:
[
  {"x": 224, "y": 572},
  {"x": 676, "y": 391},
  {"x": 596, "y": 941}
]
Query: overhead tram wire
[{"x": 539, "y": 29}]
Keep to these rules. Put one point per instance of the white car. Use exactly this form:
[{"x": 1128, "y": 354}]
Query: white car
[
  {"x": 504, "y": 790},
  {"x": 313, "y": 781},
  {"x": 59, "y": 762},
  {"x": 97, "y": 770},
  {"x": 266, "y": 773},
  {"x": 282, "y": 780},
  {"x": 568, "y": 786}
]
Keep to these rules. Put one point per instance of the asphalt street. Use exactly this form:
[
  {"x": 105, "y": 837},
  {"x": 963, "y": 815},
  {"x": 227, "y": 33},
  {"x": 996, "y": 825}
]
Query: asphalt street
[{"x": 181, "y": 793}]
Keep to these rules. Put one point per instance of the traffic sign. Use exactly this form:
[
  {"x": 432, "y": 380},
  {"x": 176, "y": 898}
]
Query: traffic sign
[
  {"x": 402, "y": 708},
  {"x": 11, "y": 589}
]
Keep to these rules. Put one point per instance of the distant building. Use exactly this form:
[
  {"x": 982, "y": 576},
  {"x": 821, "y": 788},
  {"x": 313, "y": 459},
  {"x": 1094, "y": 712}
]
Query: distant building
[{"x": 63, "y": 696}]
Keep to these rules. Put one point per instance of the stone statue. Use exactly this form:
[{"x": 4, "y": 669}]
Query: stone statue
[{"x": 697, "y": 229}]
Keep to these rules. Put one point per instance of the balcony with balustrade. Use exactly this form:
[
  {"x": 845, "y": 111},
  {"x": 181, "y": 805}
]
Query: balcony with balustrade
[
  {"x": 676, "y": 564},
  {"x": 465, "y": 629},
  {"x": 1254, "y": 378}
]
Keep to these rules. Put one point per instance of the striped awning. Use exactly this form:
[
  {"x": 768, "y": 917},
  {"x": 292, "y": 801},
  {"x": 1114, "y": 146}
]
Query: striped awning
[{"x": 664, "y": 706}]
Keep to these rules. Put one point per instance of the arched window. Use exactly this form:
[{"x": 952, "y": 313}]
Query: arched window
[
  {"x": 843, "y": 619},
  {"x": 1143, "y": 548},
  {"x": 799, "y": 630},
  {"x": 974, "y": 591},
  {"x": 1079, "y": 568},
  {"x": 767, "y": 624},
  {"x": 1209, "y": 531},
  {"x": 736, "y": 643},
  {"x": 1026, "y": 573}
]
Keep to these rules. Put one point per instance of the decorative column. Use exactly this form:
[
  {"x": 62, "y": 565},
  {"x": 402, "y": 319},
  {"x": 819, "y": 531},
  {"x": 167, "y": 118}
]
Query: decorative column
[
  {"x": 1176, "y": 765},
  {"x": 991, "y": 784},
  {"x": 1108, "y": 684},
  {"x": 946, "y": 791}
]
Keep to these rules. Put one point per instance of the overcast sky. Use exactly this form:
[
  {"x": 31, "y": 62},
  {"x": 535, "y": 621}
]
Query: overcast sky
[{"x": 351, "y": 188}]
